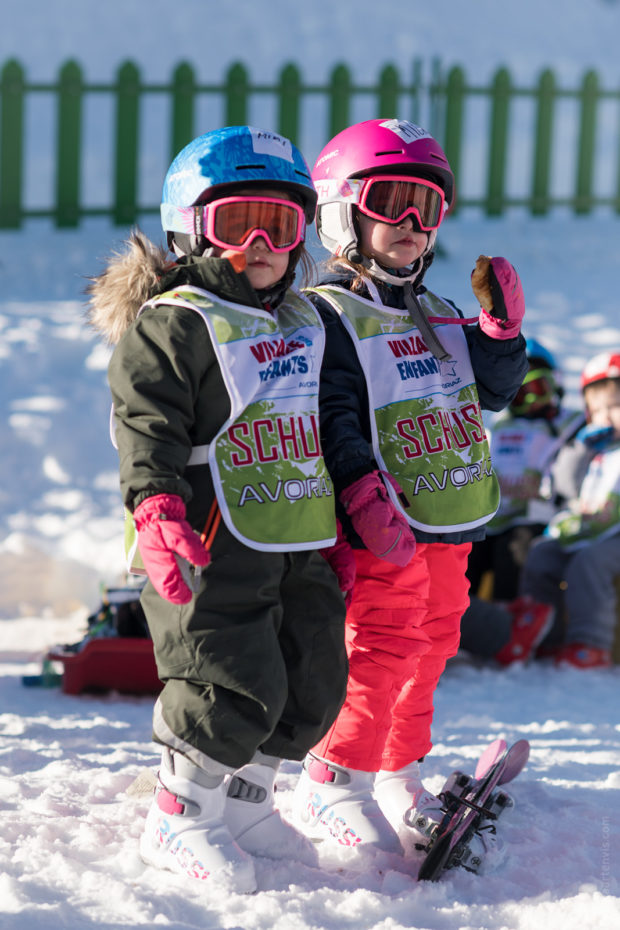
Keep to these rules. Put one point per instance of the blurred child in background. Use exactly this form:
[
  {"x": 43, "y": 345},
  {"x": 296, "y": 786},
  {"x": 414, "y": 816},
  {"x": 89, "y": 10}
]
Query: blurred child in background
[
  {"x": 525, "y": 443},
  {"x": 575, "y": 566}
]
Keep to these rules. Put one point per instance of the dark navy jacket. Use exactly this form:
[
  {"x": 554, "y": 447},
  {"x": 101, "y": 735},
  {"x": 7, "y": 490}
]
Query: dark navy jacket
[{"x": 499, "y": 366}]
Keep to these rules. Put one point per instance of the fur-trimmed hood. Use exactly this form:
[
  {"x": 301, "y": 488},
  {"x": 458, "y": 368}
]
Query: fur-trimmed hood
[
  {"x": 144, "y": 270},
  {"x": 131, "y": 277}
]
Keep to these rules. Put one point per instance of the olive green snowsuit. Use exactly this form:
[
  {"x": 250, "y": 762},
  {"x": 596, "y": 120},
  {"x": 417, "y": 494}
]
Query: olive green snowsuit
[{"x": 256, "y": 661}]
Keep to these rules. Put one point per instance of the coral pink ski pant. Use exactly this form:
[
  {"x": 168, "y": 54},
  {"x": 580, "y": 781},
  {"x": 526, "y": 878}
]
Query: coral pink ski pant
[{"x": 402, "y": 626}]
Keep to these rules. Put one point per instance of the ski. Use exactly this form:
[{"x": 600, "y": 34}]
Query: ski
[{"x": 471, "y": 804}]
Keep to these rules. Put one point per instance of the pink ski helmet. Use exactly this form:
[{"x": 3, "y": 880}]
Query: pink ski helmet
[{"x": 376, "y": 146}]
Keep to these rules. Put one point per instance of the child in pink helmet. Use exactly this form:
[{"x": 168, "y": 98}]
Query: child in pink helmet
[{"x": 403, "y": 382}]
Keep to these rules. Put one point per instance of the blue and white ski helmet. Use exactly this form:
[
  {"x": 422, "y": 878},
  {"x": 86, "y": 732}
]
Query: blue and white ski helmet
[{"x": 235, "y": 155}]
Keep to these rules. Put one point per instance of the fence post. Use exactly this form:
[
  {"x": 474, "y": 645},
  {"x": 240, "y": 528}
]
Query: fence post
[
  {"x": 236, "y": 96},
  {"x": 339, "y": 99},
  {"x": 68, "y": 145},
  {"x": 416, "y": 86},
  {"x": 389, "y": 85},
  {"x": 587, "y": 131},
  {"x": 453, "y": 134},
  {"x": 545, "y": 96},
  {"x": 11, "y": 145},
  {"x": 499, "y": 138},
  {"x": 436, "y": 100},
  {"x": 183, "y": 91},
  {"x": 289, "y": 91},
  {"x": 127, "y": 113}
]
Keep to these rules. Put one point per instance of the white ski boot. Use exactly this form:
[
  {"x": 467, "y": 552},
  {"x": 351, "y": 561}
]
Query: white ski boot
[
  {"x": 336, "y": 804},
  {"x": 407, "y": 805},
  {"x": 185, "y": 830},
  {"x": 253, "y": 819},
  {"x": 484, "y": 851}
]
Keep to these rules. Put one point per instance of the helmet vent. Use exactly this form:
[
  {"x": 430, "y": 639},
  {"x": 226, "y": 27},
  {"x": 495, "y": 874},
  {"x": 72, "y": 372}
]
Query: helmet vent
[
  {"x": 390, "y": 152},
  {"x": 249, "y": 167}
]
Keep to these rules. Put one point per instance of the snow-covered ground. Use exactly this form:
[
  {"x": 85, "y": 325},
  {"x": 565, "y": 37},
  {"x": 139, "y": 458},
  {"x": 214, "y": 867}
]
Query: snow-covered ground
[
  {"x": 68, "y": 840},
  {"x": 68, "y": 844}
]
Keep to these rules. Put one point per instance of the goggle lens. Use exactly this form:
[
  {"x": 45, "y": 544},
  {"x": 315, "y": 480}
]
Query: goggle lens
[
  {"x": 537, "y": 390},
  {"x": 391, "y": 199},
  {"x": 234, "y": 222}
]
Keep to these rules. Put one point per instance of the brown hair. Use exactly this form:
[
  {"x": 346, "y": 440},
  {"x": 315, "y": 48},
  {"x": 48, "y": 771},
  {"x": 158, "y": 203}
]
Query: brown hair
[
  {"x": 302, "y": 265},
  {"x": 338, "y": 263}
]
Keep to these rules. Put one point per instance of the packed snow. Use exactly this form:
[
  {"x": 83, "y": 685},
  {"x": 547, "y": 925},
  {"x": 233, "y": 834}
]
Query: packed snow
[{"x": 68, "y": 842}]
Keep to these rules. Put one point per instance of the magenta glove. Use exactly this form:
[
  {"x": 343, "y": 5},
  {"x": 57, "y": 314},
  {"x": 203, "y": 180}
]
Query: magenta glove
[
  {"x": 164, "y": 534},
  {"x": 382, "y": 529},
  {"x": 342, "y": 562},
  {"x": 497, "y": 286}
]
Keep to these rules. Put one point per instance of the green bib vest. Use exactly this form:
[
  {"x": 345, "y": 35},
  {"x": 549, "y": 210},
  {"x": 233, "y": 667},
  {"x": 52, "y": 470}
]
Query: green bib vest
[
  {"x": 425, "y": 415},
  {"x": 270, "y": 479}
]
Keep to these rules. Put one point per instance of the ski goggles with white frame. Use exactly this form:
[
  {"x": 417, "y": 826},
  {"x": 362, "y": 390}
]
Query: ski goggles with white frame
[
  {"x": 234, "y": 222},
  {"x": 389, "y": 198}
]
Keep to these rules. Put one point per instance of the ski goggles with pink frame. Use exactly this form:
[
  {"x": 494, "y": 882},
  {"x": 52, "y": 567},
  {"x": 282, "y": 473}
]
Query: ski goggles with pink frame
[
  {"x": 234, "y": 222},
  {"x": 389, "y": 198}
]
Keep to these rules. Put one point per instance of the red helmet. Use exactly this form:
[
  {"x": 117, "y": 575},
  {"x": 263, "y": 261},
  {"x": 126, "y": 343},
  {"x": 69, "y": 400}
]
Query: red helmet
[{"x": 603, "y": 366}]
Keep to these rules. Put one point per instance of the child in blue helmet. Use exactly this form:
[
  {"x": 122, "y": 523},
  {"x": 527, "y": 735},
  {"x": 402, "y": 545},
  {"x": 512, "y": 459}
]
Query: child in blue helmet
[
  {"x": 575, "y": 565},
  {"x": 525, "y": 443},
  {"x": 214, "y": 379}
]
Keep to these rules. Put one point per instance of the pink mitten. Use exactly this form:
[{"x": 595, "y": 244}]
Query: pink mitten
[
  {"x": 342, "y": 562},
  {"x": 382, "y": 529},
  {"x": 163, "y": 534},
  {"x": 497, "y": 286}
]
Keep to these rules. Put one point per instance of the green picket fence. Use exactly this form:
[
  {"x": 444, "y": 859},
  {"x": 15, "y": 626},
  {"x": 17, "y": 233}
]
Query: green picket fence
[{"x": 488, "y": 141}]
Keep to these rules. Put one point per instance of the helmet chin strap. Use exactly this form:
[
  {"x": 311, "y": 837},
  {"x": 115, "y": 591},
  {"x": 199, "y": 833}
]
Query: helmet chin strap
[
  {"x": 377, "y": 271},
  {"x": 413, "y": 276}
]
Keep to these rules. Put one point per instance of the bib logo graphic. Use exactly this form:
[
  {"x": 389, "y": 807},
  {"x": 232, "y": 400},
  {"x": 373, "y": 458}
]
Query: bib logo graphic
[
  {"x": 413, "y": 367},
  {"x": 283, "y": 367},
  {"x": 413, "y": 345},
  {"x": 441, "y": 431},
  {"x": 409, "y": 349},
  {"x": 417, "y": 368},
  {"x": 294, "y": 439},
  {"x": 278, "y": 354},
  {"x": 449, "y": 376}
]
